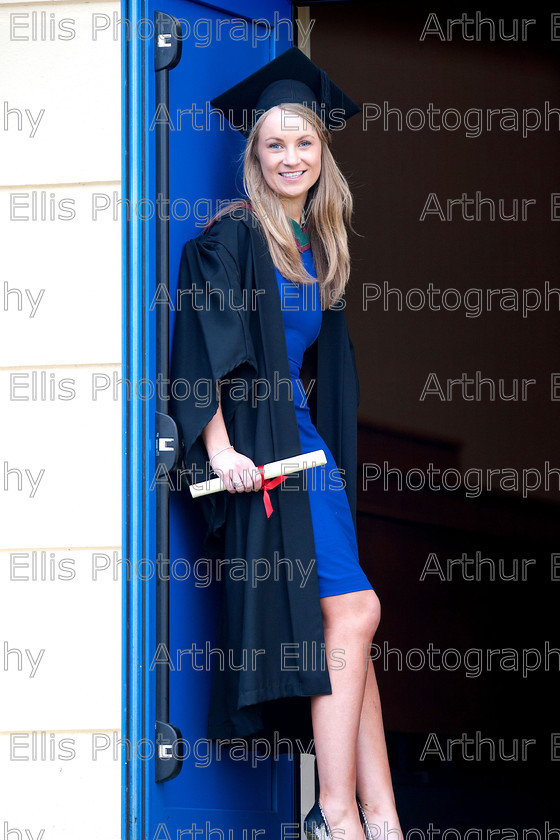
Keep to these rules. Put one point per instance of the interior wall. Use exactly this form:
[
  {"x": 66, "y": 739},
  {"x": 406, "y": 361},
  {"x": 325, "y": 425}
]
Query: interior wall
[{"x": 376, "y": 53}]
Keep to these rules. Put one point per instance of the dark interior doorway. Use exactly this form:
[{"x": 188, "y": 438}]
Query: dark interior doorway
[{"x": 465, "y": 292}]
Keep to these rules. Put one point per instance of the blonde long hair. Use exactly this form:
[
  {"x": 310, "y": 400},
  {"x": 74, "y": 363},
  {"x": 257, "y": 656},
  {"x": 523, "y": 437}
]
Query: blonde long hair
[{"x": 327, "y": 212}]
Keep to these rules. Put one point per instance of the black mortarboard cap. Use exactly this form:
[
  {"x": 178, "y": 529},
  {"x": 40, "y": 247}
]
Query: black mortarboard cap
[{"x": 291, "y": 77}]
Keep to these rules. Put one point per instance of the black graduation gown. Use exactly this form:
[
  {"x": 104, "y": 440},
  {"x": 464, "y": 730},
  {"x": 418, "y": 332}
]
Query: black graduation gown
[{"x": 224, "y": 335}]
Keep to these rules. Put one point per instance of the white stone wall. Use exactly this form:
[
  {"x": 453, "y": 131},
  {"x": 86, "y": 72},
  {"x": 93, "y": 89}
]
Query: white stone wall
[{"x": 60, "y": 444}]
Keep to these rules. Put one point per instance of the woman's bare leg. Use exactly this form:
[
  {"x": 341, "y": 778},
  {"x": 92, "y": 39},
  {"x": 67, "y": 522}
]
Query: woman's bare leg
[
  {"x": 349, "y": 622},
  {"x": 374, "y": 784}
]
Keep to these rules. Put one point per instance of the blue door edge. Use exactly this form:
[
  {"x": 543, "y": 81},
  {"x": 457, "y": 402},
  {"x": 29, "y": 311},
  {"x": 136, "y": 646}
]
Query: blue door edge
[{"x": 134, "y": 817}]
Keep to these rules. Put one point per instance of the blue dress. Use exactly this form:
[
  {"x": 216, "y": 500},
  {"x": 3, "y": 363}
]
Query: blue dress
[{"x": 336, "y": 549}]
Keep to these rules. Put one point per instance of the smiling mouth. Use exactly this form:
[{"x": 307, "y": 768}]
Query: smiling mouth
[{"x": 291, "y": 176}]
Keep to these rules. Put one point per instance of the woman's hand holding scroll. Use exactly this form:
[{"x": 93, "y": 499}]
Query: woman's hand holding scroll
[{"x": 239, "y": 473}]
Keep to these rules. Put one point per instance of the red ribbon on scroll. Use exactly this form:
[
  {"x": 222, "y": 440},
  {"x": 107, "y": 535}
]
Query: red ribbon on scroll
[{"x": 269, "y": 484}]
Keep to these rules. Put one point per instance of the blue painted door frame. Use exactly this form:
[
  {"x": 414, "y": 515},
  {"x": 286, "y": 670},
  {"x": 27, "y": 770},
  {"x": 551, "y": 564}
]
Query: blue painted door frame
[{"x": 208, "y": 796}]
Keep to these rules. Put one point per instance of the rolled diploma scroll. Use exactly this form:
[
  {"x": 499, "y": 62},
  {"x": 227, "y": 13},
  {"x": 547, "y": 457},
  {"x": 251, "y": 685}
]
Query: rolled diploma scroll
[{"x": 272, "y": 470}]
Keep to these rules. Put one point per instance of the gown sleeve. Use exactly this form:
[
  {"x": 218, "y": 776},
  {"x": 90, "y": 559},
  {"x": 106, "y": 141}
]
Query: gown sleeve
[{"x": 211, "y": 341}]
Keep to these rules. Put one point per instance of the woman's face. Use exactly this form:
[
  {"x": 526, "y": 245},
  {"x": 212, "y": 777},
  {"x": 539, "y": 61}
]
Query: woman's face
[{"x": 289, "y": 151}]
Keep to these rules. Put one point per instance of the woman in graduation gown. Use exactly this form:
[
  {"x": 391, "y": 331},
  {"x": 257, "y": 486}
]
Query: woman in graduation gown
[{"x": 260, "y": 317}]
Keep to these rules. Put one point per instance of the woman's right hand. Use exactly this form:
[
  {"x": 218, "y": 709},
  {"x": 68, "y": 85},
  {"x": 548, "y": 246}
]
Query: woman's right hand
[{"x": 239, "y": 473}]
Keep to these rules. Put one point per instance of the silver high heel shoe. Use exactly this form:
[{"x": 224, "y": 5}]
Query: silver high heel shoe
[
  {"x": 365, "y": 825},
  {"x": 315, "y": 824}
]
